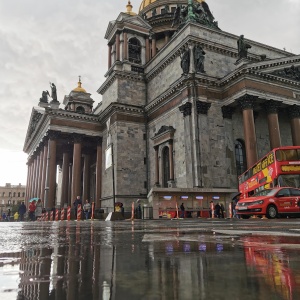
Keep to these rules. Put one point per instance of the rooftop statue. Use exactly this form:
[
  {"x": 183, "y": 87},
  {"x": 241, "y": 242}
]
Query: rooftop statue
[
  {"x": 242, "y": 47},
  {"x": 199, "y": 56},
  {"x": 185, "y": 60},
  {"x": 53, "y": 91},
  {"x": 194, "y": 11},
  {"x": 44, "y": 98}
]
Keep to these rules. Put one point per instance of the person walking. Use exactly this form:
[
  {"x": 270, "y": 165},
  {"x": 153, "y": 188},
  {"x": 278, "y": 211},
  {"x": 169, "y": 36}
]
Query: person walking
[
  {"x": 8, "y": 215},
  {"x": 16, "y": 216},
  {"x": 218, "y": 210},
  {"x": 22, "y": 211},
  {"x": 38, "y": 209},
  {"x": 182, "y": 209},
  {"x": 87, "y": 209},
  {"x": 31, "y": 209}
]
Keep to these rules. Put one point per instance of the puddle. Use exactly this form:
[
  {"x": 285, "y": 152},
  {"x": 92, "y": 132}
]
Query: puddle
[{"x": 150, "y": 260}]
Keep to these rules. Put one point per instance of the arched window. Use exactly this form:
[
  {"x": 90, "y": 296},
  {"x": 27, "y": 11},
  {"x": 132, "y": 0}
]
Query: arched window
[
  {"x": 14, "y": 194},
  {"x": 134, "y": 50},
  {"x": 240, "y": 157},
  {"x": 18, "y": 194},
  {"x": 23, "y": 194},
  {"x": 80, "y": 110},
  {"x": 166, "y": 166}
]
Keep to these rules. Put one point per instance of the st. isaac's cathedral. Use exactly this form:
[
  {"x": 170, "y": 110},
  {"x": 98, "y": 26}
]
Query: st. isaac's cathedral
[{"x": 185, "y": 109}]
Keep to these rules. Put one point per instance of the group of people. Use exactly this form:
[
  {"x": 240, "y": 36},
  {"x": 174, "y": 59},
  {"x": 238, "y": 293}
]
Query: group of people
[
  {"x": 87, "y": 208},
  {"x": 35, "y": 210}
]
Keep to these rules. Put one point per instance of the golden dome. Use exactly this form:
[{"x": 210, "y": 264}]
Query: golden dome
[
  {"x": 129, "y": 9},
  {"x": 79, "y": 88},
  {"x": 145, "y": 3}
]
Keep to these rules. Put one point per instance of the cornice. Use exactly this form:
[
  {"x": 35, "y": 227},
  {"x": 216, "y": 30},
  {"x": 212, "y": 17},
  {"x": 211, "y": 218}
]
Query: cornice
[
  {"x": 252, "y": 72},
  {"x": 118, "y": 107},
  {"x": 119, "y": 75},
  {"x": 173, "y": 91},
  {"x": 71, "y": 115}
]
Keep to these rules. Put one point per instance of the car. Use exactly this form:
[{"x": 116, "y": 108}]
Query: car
[{"x": 272, "y": 203}]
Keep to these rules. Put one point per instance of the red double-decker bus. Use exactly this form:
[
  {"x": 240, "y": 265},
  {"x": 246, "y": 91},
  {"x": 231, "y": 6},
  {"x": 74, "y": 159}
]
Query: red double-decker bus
[{"x": 280, "y": 167}]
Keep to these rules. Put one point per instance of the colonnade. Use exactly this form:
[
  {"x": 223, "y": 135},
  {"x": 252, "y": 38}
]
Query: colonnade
[
  {"x": 247, "y": 105},
  {"x": 67, "y": 151}
]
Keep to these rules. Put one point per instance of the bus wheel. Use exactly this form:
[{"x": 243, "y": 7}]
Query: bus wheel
[{"x": 271, "y": 212}]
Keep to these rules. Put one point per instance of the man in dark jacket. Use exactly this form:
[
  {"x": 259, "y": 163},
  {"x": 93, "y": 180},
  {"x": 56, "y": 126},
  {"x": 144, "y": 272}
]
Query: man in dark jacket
[{"x": 22, "y": 211}]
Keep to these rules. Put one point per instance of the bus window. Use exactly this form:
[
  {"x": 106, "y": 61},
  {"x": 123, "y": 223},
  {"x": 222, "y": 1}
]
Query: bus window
[
  {"x": 291, "y": 154},
  {"x": 291, "y": 180}
]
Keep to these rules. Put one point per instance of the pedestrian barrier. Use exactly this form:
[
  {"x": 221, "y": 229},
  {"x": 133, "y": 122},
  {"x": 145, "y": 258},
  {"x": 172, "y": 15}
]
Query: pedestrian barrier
[
  {"x": 56, "y": 214},
  {"x": 69, "y": 213},
  {"x": 47, "y": 216},
  {"x": 51, "y": 215},
  {"x": 62, "y": 214},
  {"x": 79, "y": 212},
  {"x": 132, "y": 211},
  {"x": 212, "y": 210},
  {"x": 230, "y": 210},
  {"x": 93, "y": 210}
]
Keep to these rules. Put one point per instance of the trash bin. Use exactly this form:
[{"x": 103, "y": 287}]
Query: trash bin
[{"x": 147, "y": 213}]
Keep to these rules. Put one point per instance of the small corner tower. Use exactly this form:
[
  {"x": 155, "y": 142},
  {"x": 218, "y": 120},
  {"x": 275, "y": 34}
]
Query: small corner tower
[{"x": 79, "y": 100}]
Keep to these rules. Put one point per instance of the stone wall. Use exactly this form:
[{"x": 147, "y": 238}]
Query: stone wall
[{"x": 126, "y": 91}]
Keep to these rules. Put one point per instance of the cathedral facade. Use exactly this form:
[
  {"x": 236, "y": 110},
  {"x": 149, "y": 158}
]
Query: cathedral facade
[{"x": 185, "y": 109}]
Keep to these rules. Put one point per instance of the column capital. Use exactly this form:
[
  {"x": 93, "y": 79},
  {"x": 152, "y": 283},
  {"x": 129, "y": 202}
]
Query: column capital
[
  {"x": 247, "y": 101},
  {"x": 99, "y": 140},
  {"x": 186, "y": 109},
  {"x": 227, "y": 112},
  {"x": 77, "y": 138},
  {"x": 53, "y": 135},
  {"x": 294, "y": 111},
  {"x": 202, "y": 107},
  {"x": 271, "y": 106}
]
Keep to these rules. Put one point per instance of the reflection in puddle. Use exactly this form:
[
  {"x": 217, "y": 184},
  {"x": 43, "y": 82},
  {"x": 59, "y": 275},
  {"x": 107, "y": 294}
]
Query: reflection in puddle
[
  {"x": 268, "y": 259},
  {"x": 129, "y": 261}
]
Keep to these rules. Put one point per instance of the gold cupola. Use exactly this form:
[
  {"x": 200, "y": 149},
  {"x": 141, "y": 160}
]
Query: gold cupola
[
  {"x": 129, "y": 9},
  {"x": 79, "y": 88},
  {"x": 145, "y": 3}
]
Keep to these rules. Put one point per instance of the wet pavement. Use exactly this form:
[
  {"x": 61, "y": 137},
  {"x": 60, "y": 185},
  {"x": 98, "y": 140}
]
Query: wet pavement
[{"x": 166, "y": 259}]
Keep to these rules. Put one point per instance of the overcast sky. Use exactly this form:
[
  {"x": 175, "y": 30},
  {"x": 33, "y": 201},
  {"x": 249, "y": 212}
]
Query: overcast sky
[{"x": 57, "y": 40}]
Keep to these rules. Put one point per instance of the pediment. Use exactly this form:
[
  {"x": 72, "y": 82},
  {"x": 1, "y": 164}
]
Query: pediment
[
  {"x": 35, "y": 118},
  {"x": 136, "y": 20},
  {"x": 127, "y": 20},
  {"x": 288, "y": 67}
]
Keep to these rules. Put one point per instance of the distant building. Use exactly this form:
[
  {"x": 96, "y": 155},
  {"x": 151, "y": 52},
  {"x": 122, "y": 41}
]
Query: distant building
[
  {"x": 11, "y": 195},
  {"x": 186, "y": 108}
]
